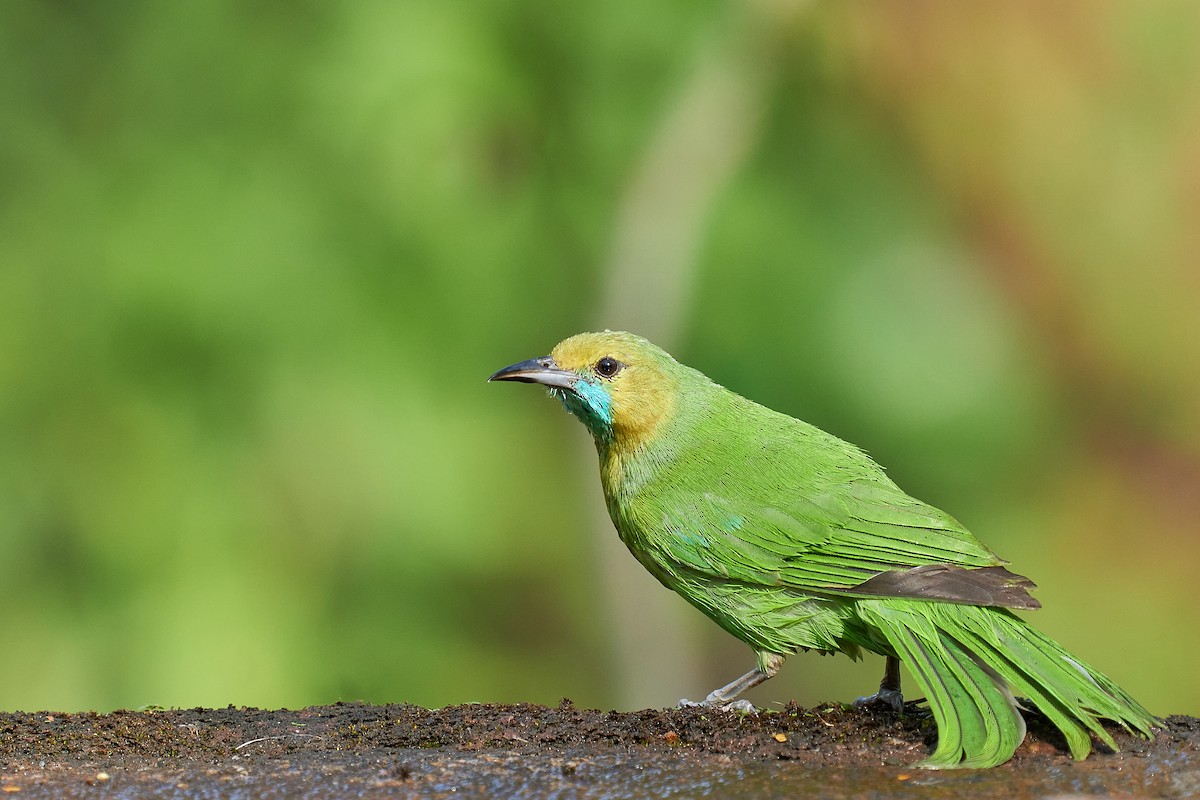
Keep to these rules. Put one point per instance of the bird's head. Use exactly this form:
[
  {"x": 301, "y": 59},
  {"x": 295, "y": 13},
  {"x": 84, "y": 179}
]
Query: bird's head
[{"x": 619, "y": 385}]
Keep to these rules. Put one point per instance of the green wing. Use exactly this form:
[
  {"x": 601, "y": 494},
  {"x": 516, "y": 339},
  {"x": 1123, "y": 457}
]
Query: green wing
[{"x": 815, "y": 514}]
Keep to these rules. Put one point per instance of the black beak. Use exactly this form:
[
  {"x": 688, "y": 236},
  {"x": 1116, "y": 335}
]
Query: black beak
[{"x": 538, "y": 370}]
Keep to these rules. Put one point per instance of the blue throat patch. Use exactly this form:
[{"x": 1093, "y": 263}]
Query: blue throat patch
[{"x": 592, "y": 404}]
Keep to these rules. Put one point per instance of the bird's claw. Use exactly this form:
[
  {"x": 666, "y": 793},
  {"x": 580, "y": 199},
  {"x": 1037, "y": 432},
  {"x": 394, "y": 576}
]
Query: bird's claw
[
  {"x": 886, "y": 698},
  {"x": 742, "y": 706}
]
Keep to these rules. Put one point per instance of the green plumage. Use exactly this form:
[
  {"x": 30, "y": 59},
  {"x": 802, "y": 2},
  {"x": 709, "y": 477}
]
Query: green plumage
[{"x": 792, "y": 539}]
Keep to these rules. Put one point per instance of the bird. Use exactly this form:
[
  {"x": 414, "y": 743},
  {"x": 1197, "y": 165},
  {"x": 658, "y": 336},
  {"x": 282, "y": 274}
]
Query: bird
[{"x": 792, "y": 540}]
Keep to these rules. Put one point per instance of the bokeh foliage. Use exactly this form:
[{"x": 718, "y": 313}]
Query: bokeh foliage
[{"x": 256, "y": 260}]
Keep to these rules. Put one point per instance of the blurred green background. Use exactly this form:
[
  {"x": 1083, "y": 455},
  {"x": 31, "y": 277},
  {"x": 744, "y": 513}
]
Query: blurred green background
[{"x": 257, "y": 259}]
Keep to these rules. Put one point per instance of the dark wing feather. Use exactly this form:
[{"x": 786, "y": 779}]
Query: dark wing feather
[{"x": 981, "y": 586}]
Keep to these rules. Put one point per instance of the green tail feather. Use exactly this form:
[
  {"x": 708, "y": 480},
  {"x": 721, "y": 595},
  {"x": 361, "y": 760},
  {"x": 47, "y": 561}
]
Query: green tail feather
[{"x": 970, "y": 660}]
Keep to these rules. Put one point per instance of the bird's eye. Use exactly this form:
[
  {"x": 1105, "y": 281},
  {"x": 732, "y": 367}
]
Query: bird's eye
[{"x": 607, "y": 367}]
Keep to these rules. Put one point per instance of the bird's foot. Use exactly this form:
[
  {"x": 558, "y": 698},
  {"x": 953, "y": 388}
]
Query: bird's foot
[
  {"x": 884, "y": 698},
  {"x": 742, "y": 706}
]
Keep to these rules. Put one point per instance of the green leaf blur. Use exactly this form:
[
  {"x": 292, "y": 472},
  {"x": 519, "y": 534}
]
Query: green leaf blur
[{"x": 256, "y": 261}]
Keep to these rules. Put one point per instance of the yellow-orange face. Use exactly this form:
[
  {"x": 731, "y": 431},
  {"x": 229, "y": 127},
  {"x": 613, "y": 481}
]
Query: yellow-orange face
[{"x": 618, "y": 384}]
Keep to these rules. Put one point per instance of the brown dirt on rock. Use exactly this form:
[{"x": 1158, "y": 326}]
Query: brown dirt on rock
[{"x": 179, "y": 747}]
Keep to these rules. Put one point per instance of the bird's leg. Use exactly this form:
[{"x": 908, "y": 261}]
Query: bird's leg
[
  {"x": 889, "y": 688},
  {"x": 725, "y": 697}
]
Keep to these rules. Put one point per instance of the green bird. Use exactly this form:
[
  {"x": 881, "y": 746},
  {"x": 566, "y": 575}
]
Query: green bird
[{"x": 792, "y": 539}]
